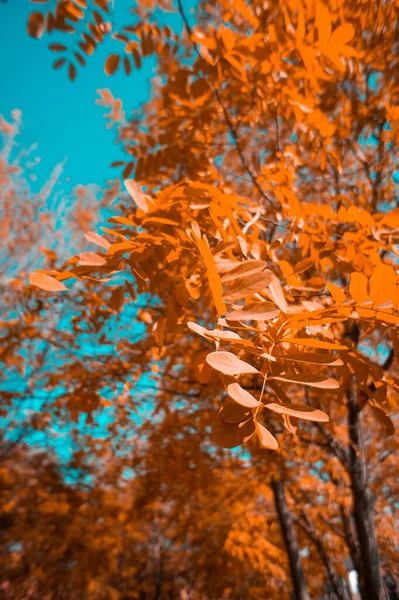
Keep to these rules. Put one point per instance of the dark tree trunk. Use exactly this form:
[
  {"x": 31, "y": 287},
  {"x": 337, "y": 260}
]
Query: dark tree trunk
[
  {"x": 290, "y": 540},
  {"x": 332, "y": 576},
  {"x": 370, "y": 579}
]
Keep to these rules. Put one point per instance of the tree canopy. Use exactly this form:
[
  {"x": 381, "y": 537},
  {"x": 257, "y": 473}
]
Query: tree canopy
[{"x": 246, "y": 291}]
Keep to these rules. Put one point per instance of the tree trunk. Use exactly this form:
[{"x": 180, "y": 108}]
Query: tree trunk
[
  {"x": 290, "y": 540},
  {"x": 370, "y": 579},
  {"x": 332, "y": 576}
]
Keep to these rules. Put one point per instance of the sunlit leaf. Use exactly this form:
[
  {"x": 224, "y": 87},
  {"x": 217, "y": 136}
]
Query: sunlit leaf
[
  {"x": 244, "y": 269},
  {"x": 266, "y": 439},
  {"x": 45, "y": 282},
  {"x": 316, "y": 359},
  {"x": 229, "y": 363},
  {"x": 299, "y": 411},
  {"x": 248, "y": 286},
  {"x": 255, "y": 311},
  {"x": 313, "y": 343},
  {"x": 241, "y": 396},
  {"x": 318, "y": 381},
  {"x": 90, "y": 258}
]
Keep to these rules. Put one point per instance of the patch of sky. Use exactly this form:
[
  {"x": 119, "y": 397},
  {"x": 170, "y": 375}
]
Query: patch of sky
[{"x": 59, "y": 115}]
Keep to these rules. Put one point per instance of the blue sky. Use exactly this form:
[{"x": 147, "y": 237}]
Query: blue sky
[{"x": 62, "y": 116}]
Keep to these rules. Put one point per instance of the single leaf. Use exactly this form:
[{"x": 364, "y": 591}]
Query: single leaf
[
  {"x": 247, "y": 286},
  {"x": 231, "y": 435},
  {"x": 299, "y": 411},
  {"x": 245, "y": 269},
  {"x": 266, "y": 439},
  {"x": 303, "y": 265},
  {"x": 315, "y": 359},
  {"x": 197, "y": 328},
  {"x": 137, "y": 194},
  {"x": 213, "y": 276},
  {"x": 255, "y": 311},
  {"x": 111, "y": 64},
  {"x": 277, "y": 293},
  {"x": 57, "y": 64},
  {"x": 312, "y": 343},
  {"x": 222, "y": 334},
  {"x": 323, "y": 23},
  {"x": 36, "y": 24},
  {"x": 47, "y": 283},
  {"x": 122, "y": 221},
  {"x": 241, "y": 396},
  {"x": 383, "y": 419},
  {"x": 91, "y": 259},
  {"x": 229, "y": 364},
  {"x": 159, "y": 220},
  {"x": 97, "y": 239},
  {"x": 382, "y": 284},
  {"x": 318, "y": 381},
  {"x": 358, "y": 287},
  {"x": 342, "y": 35},
  {"x": 72, "y": 72},
  {"x": 117, "y": 299},
  {"x": 231, "y": 412},
  {"x": 57, "y": 47}
]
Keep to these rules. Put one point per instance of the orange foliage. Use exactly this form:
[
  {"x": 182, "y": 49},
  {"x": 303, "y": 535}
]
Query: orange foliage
[{"x": 260, "y": 224}]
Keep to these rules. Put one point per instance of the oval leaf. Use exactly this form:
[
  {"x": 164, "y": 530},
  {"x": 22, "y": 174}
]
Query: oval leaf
[
  {"x": 47, "y": 283},
  {"x": 231, "y": 412},
  {"x": 221, "y": 334},
  {"x": 137, "y": 194},
  {"x": 325, "y": 383},
  {"x": 111, "y": 64},
  {"x": 314, "y": 359},
  {"x": 245, "y": 269},
  {"x": 312, "y": 343},
  {"x": 299, "y": 411},
  {"x": 247, "y": 286},
  {"x": 241, "y": 396},
  {"x": 91, "y": 259},
  {"x": 255, "y": 311},
  {"x": 266, "y": 439},
  {"x": 99, "y": 240},
  {"x": 35, "y": 25},
  {"x": 231, "y": 435},
  {"x": 228, "y": 363}
]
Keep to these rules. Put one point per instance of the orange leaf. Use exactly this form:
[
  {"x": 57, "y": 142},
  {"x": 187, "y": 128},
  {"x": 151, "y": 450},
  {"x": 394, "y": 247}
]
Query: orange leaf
[
  {"x": 244, "y": 269},
  {"x": 315, "y": 359},
  {"x": 325, "y": 383},
  {"x": 137, "y": 194},
  {"x": 230, "y": 435},
  {"x": 47, "y": 283},
  {"x": 111, "y": 64},
  {"x": 255, "y": 311},
  {"x": 299, "y": 411},
  {"x": 95, "y": 238},
  {"x": 382, "y": 284},
  {"x": 36, "y": 24},
  {"x": 342, "y": 35},
  {"x": 266, "y": 439},
  {"x": 92, "y": 259},
  {"x": 358, "y": 287},
  {"x": 213, "y": 276},
  {"x": 241, "y": 396},
  {"x": 312, "y": 343},
  {"x": 229, "y": 364},
  {"x": 248, "y": 286}
]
